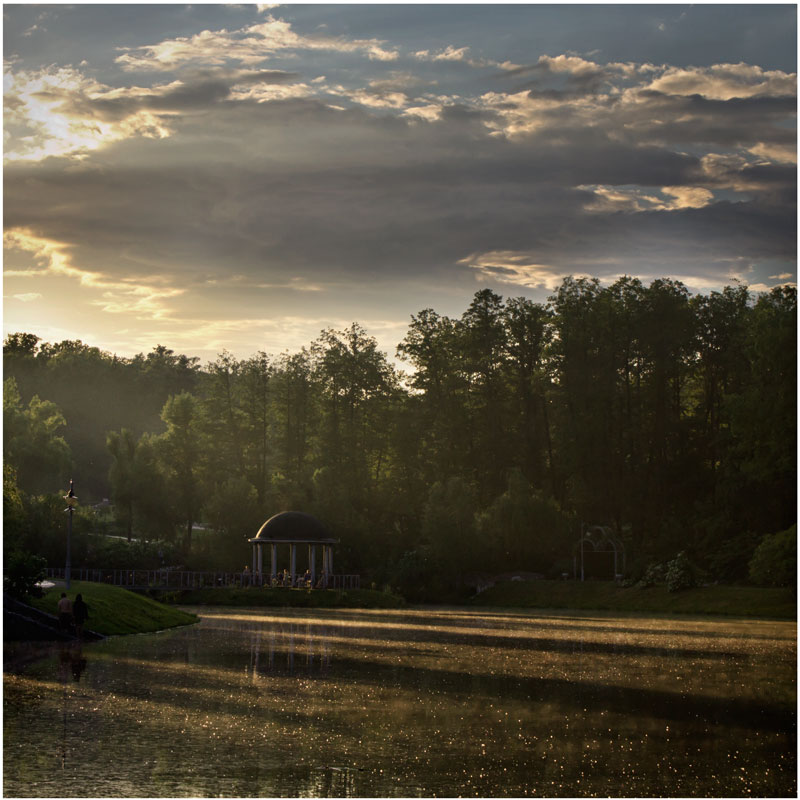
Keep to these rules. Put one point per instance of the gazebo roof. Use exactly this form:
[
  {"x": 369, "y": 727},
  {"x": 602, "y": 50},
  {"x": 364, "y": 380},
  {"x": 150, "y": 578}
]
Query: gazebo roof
[{"x": 294, "y": 526}]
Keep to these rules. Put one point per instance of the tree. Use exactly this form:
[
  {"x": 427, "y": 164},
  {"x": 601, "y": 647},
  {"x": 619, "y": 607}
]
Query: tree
[
  {"x": 256, "y": 389},
  {"x": 528, "y": 336},
  {"x": 356, "y": 383},
  {"x": 155, "y": 515},
  {"x": 32, "y": 442},
  {"x": 232, "y": 507},
  {"x": 122, "y": 447},
  {"x": 775, "y": 560},
  {"x": 482, "y": 341},
  {"x": 448, "y": 528},
  {"x": 439, "y": 387},
  {"x": 222, "y": 419},
  {"x": 523, "y": 529},
  {"x": 761, "y": 465},
  {"x": 180, "y": 450}
]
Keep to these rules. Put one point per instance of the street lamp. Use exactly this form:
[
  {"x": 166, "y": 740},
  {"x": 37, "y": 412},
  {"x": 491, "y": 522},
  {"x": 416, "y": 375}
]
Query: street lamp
[{"x": 71, "y": 501}]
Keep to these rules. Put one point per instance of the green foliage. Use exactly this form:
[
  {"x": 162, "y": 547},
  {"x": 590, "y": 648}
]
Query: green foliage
[
  {"x": 774, "y": 562},
  {"x": 736, "y": 601},
  {"x": 415, "y": 575},
  {"x": 653, "y": 574},
  {"x": 232, "y": 508},
  {"x": 294, "y": 598},
  {"x": 21, "y": 572},
  {"x": 31, "y": 440},
  {"x": 180, "y": 454},
  {"x": 680, "y": 574},
  {"x": 523, "y": 530},
  {"x": 116, "y": 553},
  {"x": 672, "y": 418},
  {"x": 448, "y": 527},
  {"x": 730, "y": 556}
]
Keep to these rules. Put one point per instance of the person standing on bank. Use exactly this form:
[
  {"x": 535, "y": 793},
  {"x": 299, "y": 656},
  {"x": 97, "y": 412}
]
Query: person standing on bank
[
  {"x": 80, "y": 613},
  {"x": 64, "y": 612}
]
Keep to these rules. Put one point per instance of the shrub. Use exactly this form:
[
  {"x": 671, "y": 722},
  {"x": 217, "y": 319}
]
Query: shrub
[
  {"x": 774, "y": 562},
  {"x": 680, "y": 573},
  {"x": 655, "y": 573},
  {"x": 22, "y": 572}
]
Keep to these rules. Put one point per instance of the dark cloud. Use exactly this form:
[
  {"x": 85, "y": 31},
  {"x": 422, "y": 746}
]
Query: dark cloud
[{"x": 588, "y": 169}]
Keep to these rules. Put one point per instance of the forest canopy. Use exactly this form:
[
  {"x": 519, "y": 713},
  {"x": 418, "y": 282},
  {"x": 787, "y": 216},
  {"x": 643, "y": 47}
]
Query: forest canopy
[{"x": 669, "y": 417}]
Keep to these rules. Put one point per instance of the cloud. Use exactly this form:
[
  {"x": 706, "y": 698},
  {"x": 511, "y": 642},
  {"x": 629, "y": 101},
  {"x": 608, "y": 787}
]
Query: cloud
[
  {"x": 780, "y": 153},
  {"x": 250, "y": 45},
  {"x": 39, "y": 107},
  {"x": 27, "y": 297},
  {"x": 633, "y": 199},
  {"x": 255, "y": 191},
  {"x": 450, "y": 53},
  {"x": 62, "y": 112},
  {"x": 116, "y": 296},
  {"x": 725, "y": 82},
  {"x": 516, "y": 269}
]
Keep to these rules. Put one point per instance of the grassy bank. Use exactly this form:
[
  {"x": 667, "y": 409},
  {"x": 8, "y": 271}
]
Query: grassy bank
[
  {"x": 294, "y": 598},
  {"x": 738, "y": 601},
  {"x": 113, "y": 610}
]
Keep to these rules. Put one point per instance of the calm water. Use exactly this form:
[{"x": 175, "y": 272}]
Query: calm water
[{"x": 409, "y": 703}]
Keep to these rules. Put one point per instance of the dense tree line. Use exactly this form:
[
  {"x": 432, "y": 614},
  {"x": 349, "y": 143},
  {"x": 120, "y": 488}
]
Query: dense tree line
[{"x": 669, "y": 417}]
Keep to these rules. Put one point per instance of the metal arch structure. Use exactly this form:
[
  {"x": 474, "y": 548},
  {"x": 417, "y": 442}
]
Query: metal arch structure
[{"x": 601, "y": 538}]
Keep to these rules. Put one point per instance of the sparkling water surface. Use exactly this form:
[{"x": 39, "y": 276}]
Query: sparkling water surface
[{"x": 432, "y": 703}]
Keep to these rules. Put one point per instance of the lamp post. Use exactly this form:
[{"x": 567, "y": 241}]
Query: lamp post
[{"x": 71, "y": 501}]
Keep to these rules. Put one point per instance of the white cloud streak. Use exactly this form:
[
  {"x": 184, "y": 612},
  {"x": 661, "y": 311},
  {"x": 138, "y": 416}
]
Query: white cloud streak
[{"x": 250, "y": 45}]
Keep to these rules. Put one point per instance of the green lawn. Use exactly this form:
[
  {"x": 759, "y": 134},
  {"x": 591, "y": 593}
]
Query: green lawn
[
  {"x": 113, "y": 610},
  {"x": 739, "y": 601},
  {"x": 316, "y": 598}
]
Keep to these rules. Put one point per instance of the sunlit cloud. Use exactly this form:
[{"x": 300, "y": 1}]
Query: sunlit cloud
[
  {"x": 516, "y": 269},
  {"x": 778, "y": 153},
  {"x": 631, "y": 199},
  {"x": 27, "y": 297},
  {"x": 430, "y": 113},
  {"x": 116, "y": 296},
  {"x": 50, "y": 113},
  {"x": 725, "y": 82},
  {"x": 249, "y": 45}
]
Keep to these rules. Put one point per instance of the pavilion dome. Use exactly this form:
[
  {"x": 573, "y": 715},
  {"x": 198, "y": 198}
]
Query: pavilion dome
[{"x": 289, "y": 526}]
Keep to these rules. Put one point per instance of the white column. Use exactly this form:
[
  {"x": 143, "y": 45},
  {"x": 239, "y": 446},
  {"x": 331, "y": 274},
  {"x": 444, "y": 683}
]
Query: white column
[
  {"x": 293, "y": 561},
  {"x": 330, "y": 559},
  {"x": 312, "y": 558},
  {"x": 254, "y": 559},
  {"x": 273, "y": 559},
  {"x": 260, "y": 562}
]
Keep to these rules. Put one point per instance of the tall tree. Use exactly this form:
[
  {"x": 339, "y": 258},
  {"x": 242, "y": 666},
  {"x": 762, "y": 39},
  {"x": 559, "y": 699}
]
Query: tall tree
[
  {"x": 32, "y": 442},
  {"x": 181, "y": 450},
  {"x": 122, "y": 446}
]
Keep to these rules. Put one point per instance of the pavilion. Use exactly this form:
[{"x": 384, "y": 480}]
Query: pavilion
[{"x": 293, "y": 528}]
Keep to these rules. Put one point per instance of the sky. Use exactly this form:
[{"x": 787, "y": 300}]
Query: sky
[{"x": 241, "y": 177}]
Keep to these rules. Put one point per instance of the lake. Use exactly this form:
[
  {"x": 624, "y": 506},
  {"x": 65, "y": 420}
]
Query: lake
[{"x": 455, "y": 702}]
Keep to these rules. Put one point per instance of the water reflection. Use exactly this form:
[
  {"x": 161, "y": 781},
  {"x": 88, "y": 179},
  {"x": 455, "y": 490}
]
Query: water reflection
[
  {"x": 412, "y": 703},
  {"x": 275, "y": 651}
]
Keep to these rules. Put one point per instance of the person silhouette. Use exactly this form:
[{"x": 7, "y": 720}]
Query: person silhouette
[
  {"x": 80, "y": 613},
  {"x": 64, "y": 612}
]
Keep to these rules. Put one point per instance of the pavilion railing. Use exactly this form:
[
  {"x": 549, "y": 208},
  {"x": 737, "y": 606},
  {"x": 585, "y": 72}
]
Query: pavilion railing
[{"x": 186, "y": 579}]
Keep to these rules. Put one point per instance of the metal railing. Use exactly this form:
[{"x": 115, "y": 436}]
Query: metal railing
[{"x": 187, "y": 579}]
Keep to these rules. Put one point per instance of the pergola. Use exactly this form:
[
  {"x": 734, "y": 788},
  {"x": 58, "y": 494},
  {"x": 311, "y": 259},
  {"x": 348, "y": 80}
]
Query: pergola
[
  {"x": 598, "y": 541},
  {"x": 293, "y": 528}
]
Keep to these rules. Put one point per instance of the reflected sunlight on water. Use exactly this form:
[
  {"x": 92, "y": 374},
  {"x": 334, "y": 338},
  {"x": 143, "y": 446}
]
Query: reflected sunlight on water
[{"x": 409, "y": 703}]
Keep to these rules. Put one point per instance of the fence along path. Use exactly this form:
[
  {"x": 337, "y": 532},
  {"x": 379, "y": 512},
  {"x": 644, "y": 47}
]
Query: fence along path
[{"x": 186, "y": 579}]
